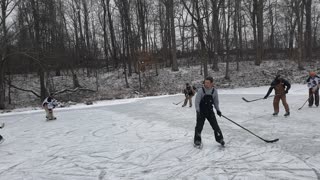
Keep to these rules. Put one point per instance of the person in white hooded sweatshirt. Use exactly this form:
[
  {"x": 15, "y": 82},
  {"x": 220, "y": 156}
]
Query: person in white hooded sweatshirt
[
  {"x": 49, "y": 104},
  {"x": 313, "y": 85}
]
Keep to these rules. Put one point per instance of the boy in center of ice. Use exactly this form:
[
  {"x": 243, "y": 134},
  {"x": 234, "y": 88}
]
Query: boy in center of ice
[{"x": 206, "y": 97}]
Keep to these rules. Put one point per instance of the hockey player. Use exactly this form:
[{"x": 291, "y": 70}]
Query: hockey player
[
  {"x": 49, "y": 104},
  {"x": 206, "y": 97},
  {"x": 281, "y": 88},
  {"x": 313, "y": 85},
  {"x": 189, "y": 93}
]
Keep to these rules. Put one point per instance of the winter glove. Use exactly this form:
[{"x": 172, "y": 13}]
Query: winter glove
[
  {"x": 219, "y": 113},
  {"x": 287, "y": 91}
]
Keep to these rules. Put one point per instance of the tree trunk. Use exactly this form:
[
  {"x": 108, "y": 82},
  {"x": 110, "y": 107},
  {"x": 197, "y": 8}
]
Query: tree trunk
[
  {"x": 315, "y": 27},
  {"x": 37, "y": 47},
  {"x": 308, "y": 32},
  {"x": 112, "y": 36},
  {"x": 173, "y": 39},
  {"x": 299, "y": 7},
  {"x": 240, "y": 32},
  {"x": 200, "y": 31},
  {"x": 235, "y": 31},
  {"x": 254, "y": 25},
  {"x": 216, "y": 33},
  {"x": 226, "y": 32},
  {"x": 168, "y": 33},
  {"x": 3, "y": 54},
  {"x": 271, "y": 20},
  {"x": 142, "y": 25},
  {"x": 105, "y": 34},
  {"x": 208, "y": 36},
  {"x": 260, "y": 32}
]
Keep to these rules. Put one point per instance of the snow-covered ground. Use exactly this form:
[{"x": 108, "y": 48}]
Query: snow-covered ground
[
  {"x": 112, "y": 84},
  {"x": 150, "y": 138}
]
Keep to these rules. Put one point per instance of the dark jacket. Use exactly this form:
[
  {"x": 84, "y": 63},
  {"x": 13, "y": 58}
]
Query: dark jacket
[
  {"x": 189, "y": 91},
  {"x": 280, "y": 85}
]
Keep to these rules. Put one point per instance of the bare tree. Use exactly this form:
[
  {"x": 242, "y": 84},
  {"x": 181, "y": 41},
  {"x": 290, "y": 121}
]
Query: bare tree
[
  {"x": 37, "y": 48},
  {"x": 141, "y": 8},
  {"x": 128, "y": 44},
  {"x": 237, "y": 31},
  {"x": 299, "y": 13},
  {"x": 272, "y": 22},
  {"x": 240, "y": 31},
  {"x": 182, "y": 20},
  {"x": 7, "y": 7},
  {"x": 260, "y": 31},
  {"x": 316, "y": 21},
  {"x": 291, "y": 24},
  {"x": 216, "y": 5},
  {"x": 173, "y": 37},
  {"x": 200, "y": 32},
  {"x": 112, "y": 36},
  {"x": 105, "y": 33},
  {"x": 227, "y": 13},
  {"x": 308, "y": 32}
]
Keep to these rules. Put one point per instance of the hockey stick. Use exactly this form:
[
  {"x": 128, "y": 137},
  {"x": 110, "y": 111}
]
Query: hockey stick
[
  {"x": 305, "y": 102},
  {"x": 267, "y": 141},
  {"x": 178, "y": 102},
  {"x": 254, "y": 99}
]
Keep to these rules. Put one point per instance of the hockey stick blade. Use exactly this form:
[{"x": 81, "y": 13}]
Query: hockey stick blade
[
  {"x": 245, "y": 99},
  {"x": 178, "y": 103},
  {"x": 254, "y": 99},
  {"x": 251, "y": 100},
  {"x": 271, "y": 141}
]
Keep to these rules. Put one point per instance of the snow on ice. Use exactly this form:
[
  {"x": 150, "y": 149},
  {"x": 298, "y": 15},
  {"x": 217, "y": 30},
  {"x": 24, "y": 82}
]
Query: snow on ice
[{"x": 150, "y": 138}]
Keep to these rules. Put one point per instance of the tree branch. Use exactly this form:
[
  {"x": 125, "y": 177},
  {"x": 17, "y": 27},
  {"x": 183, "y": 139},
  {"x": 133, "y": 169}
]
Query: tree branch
[
  {"x": 188, "y": 9},
  {"x": 25, "y": 90},
  {"x": 73, "y": 90}
]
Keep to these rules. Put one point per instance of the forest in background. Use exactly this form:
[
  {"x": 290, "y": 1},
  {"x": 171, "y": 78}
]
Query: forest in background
[{"x": 94, "y": 36}]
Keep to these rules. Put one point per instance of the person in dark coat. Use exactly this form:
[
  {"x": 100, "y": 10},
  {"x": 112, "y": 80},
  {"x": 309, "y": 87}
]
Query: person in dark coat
[
  {"x": 281, "y": 88},
  {"x": 189, "y": 93}
]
